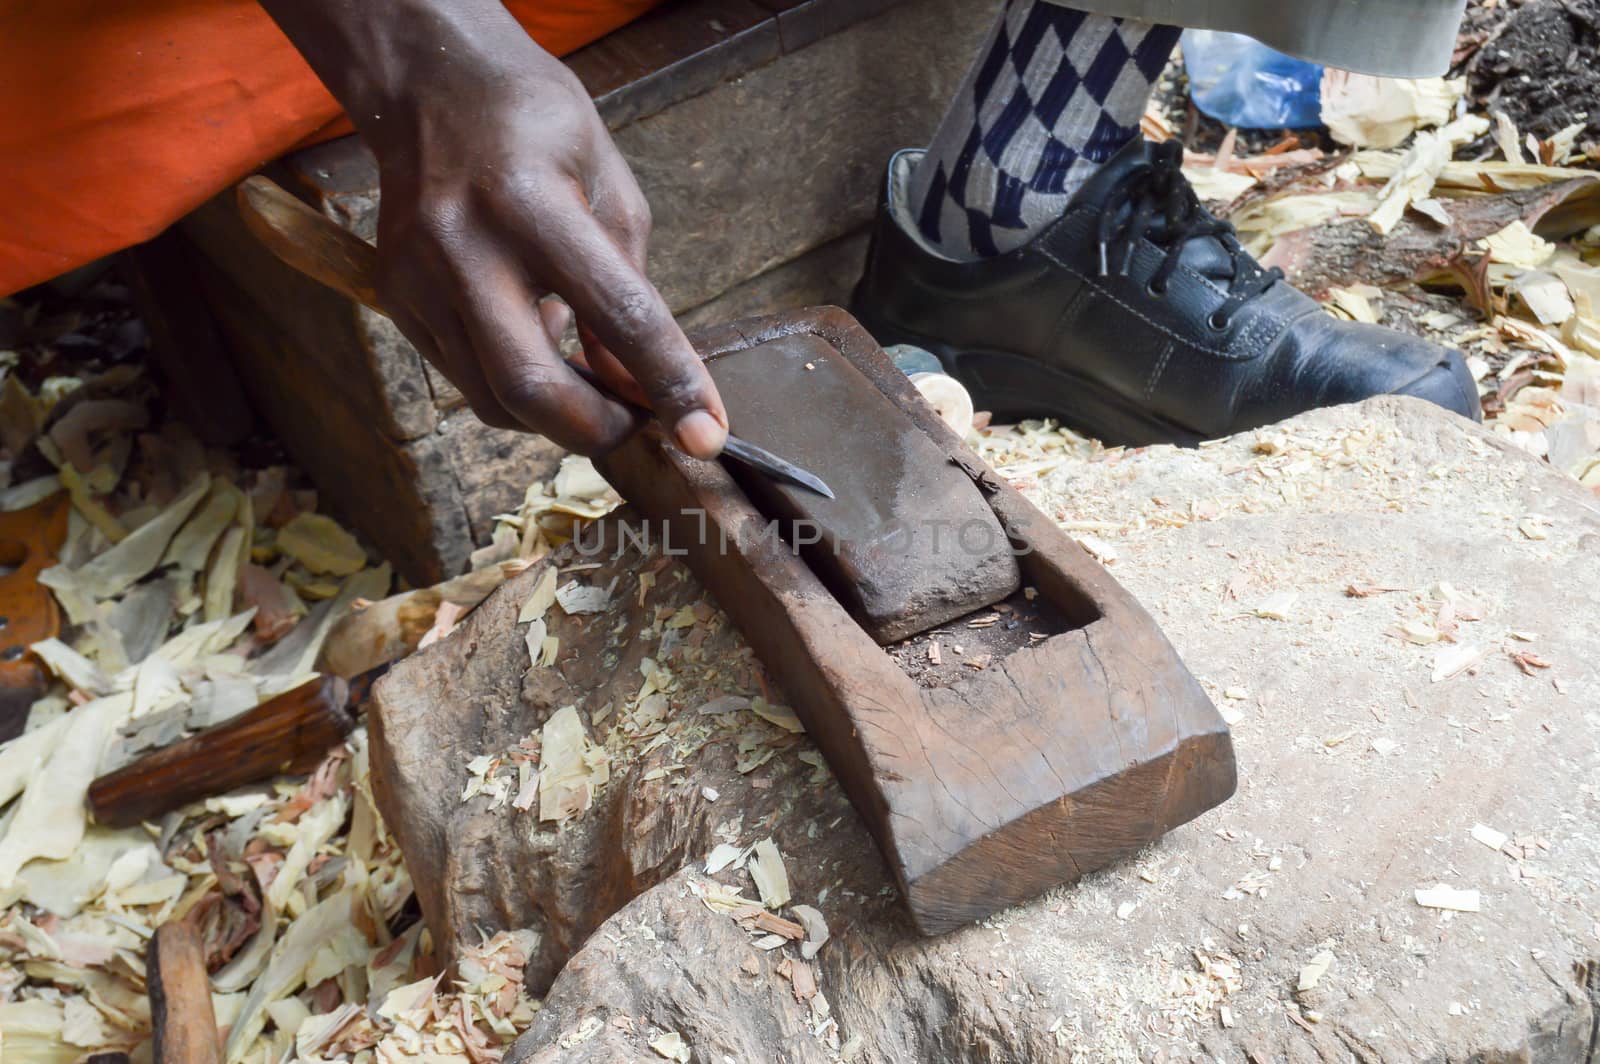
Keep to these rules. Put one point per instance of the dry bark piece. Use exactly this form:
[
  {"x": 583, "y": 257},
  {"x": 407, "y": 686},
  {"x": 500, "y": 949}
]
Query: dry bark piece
[{"x": 289, "y": 733}]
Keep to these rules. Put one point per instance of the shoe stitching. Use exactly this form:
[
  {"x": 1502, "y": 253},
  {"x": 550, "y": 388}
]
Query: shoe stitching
[
  {"x": 1161, "y": 365},
  {"x": 1261, "y": 329},
  {"x": 1069, "y": 313},
  {"x": 1223, "y": 353},
  {"x": 1261, "y": 325}
]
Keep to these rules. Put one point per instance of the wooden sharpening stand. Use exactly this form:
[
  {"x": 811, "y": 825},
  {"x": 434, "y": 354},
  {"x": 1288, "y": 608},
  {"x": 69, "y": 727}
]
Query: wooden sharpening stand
[{"x": 1078, "y": 739}]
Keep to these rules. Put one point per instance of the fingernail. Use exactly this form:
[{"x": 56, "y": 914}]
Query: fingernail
[{"x": 700, "y": 435}]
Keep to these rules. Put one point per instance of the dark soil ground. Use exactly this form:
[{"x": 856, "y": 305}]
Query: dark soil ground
[{"x": 1539, "y": 63}]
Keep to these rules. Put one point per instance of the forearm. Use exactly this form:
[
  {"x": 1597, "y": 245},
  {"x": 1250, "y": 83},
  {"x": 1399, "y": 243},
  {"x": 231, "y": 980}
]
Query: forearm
[{"x": 383, "y": 58}]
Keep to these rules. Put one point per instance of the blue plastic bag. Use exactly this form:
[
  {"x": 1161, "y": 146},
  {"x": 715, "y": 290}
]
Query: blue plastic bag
[{"x": 1240, "y": 81}]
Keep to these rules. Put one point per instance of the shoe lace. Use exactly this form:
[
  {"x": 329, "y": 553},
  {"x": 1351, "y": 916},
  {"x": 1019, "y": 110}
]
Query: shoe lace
[{"x": 1159, "y": 193}]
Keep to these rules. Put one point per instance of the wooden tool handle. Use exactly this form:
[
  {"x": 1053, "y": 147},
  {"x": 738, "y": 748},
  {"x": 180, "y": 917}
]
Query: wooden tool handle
[
  {"x": 183, "y": 1025},
  {"x": 314, "y": 244},
  {"x": 289, "y": 733}
]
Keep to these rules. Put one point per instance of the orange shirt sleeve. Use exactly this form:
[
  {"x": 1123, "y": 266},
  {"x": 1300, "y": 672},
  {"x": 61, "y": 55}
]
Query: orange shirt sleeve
[{"x": 117, "y": 117}]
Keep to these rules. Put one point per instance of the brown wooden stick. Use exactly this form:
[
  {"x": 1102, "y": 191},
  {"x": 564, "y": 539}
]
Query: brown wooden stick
[
  {"x": 317, "y": 246},
  {"x": 184, "y": 1027},
  {"x": 289, "y": 733}
]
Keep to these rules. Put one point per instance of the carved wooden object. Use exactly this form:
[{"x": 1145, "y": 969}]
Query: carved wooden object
[{"x": 29, "y": 540}]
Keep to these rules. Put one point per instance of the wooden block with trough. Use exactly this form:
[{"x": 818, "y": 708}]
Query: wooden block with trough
[{"x": 1066, "y": 749}]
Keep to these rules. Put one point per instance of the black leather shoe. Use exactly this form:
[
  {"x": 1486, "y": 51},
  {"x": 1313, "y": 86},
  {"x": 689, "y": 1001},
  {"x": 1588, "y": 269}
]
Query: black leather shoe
[{"x": 1136, "y": 318}]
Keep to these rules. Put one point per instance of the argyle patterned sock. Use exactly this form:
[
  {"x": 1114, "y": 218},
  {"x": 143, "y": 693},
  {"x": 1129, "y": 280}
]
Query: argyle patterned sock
[{"x": 1054, "y": 94}]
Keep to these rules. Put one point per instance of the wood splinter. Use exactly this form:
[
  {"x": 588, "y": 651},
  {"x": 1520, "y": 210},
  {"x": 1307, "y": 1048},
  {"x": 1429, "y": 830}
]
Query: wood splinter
[{"x": 183, "y": 1025}]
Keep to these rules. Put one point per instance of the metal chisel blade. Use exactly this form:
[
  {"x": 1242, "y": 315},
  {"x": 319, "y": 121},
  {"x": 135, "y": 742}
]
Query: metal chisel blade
[
  {"x": 764, "y": 461},
  {"x": 758, "y": 458}
]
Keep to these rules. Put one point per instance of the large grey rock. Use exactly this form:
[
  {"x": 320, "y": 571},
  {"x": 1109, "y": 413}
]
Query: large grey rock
[{"x": 1362, "y": 780}]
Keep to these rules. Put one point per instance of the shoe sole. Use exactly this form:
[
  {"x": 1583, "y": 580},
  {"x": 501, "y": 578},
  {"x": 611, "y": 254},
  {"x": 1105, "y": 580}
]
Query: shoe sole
[{"x": 1012, "y": 387}]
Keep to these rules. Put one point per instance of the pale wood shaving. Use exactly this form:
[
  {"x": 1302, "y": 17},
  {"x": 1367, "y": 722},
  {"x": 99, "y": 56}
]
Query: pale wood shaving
[
  {"x": 1487, "y": 835},
  {"x": 671, "y": 1046},
  {"x": 1311, "y": 974},
  {"x": 1444, "y": 897},
  {"x": 571, "y": 767},
  {"x": 540, "y": 599},
  {"x": 770, "y": 877}
]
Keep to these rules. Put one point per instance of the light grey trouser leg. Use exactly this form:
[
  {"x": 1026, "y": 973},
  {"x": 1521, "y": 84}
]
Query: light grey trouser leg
[{"x": 1400, "y": 38}]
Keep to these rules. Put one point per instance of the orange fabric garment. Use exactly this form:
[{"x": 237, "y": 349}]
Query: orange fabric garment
[{"x": 117, "y": 117}]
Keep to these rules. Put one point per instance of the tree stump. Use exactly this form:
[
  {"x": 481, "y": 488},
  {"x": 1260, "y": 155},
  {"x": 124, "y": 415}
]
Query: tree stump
[{"x": 1317, "y": 577}]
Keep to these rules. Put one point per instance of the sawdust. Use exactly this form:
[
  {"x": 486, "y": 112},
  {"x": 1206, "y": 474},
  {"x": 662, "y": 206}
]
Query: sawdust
[
  {"x": 297, "y": 891},
  {"x": 948, "y": 654}
]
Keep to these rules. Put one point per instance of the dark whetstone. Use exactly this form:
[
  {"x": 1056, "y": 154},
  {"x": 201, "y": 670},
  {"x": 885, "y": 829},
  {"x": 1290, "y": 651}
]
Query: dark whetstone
[{"x": 907, "y": 543}]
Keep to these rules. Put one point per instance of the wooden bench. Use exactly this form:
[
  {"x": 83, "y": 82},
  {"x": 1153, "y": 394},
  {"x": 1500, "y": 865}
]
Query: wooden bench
[{"x": 758, "y": 130}]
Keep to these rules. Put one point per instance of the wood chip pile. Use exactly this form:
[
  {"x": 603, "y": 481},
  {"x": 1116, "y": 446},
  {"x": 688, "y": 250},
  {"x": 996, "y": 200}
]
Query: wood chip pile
[{"x": 194, "y": 587}]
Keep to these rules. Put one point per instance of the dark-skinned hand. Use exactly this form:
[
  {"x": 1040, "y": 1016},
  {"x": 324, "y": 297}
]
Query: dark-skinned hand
[{"x": 502, "y": 188}]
